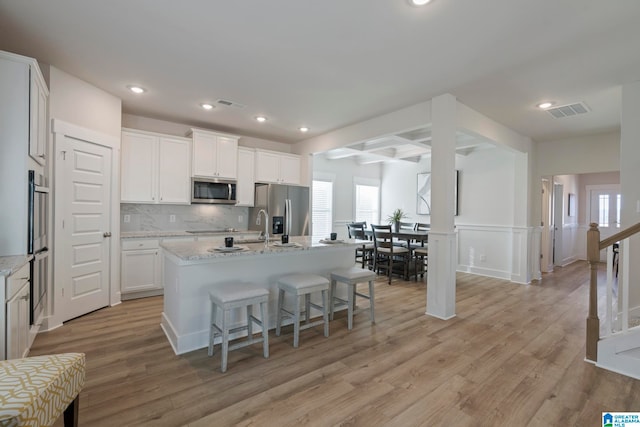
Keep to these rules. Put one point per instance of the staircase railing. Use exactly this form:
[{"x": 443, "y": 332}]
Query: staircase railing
[{"x": 594, "y": 246}]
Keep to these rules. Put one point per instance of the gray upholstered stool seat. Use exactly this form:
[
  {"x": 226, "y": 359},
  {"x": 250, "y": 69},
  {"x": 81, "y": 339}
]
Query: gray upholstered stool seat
[
  {"x": 351, "y": 277},
  {"x": 300, "y": 285},
  {"x": 229, "y": 296}
]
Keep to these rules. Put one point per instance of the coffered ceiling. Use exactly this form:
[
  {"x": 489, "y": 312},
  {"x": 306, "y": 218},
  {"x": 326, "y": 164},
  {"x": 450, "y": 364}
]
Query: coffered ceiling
[{"x": 327, "y": 64}]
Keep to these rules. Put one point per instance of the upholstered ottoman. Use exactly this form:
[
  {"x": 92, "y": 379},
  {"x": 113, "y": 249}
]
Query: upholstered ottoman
[{"x": 36, "y": 390}]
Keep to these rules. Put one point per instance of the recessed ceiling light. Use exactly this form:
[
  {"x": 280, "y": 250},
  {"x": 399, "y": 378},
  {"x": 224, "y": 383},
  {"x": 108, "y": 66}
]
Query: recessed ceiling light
[
  {"x": 261, "y": 119},
  {"x": 418, "y": 2},
  {"x": 136, "y": 89},
  {"x": 206, "y": 106},
  {"x": 544, "y": 105},
  {"x": 304, "y": 129}
]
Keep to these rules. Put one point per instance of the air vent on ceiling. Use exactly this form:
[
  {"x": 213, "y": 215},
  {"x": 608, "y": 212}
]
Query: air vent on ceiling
[
  {"x": 568, "y": 110},
  {"x": 228, "y": 103}
]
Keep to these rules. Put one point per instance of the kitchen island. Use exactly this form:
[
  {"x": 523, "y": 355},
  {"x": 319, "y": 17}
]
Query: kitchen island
[{"x": 191, "y": 269}]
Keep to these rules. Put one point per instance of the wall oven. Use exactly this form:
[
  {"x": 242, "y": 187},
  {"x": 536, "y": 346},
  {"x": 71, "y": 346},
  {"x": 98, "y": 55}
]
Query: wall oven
[
  {"x": 37, "y": 243},
  {"x": 213, "y": 191}
]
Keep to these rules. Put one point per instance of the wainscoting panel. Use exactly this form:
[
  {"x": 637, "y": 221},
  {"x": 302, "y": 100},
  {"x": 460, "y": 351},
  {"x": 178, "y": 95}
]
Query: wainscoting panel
[{"x": 510, "y": 253}]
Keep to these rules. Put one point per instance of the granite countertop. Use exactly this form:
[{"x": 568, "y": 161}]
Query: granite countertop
[
  {"x": 200, "y": 251},
  {"x": 11, "y": 264},
  {"x": 161, "y": 233}
]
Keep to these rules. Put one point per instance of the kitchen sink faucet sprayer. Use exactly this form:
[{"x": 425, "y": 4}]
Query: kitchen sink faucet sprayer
[{"x": 266, "y": 225}]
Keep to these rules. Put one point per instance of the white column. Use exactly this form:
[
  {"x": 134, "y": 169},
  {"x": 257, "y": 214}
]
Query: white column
[
  {"x": 629, "y": 178},
  {"x": 441, "y": 276}
]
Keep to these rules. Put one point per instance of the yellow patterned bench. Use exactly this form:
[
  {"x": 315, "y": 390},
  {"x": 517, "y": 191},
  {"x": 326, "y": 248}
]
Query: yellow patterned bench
[{"x": 35, "y": 391}]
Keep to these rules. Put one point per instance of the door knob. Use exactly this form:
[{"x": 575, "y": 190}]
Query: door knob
[{"x": 107, "y": 234}]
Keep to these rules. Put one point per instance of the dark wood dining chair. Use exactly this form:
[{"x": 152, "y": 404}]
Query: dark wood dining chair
[
  {"x": 404, "y": 226},
  {"x": 387, "y": 256},
  {"x": 364, "y": 253},
  {"x": 421, "y": 251}
]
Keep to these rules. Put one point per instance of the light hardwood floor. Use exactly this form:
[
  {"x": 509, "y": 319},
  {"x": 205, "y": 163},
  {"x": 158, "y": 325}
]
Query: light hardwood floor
[{"x": 512, "y": 356}]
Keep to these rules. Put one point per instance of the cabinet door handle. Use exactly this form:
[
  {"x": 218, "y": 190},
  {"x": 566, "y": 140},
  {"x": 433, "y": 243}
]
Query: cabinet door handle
[
  {"x": 26, "y": 297},
  {"x": 106, "y": 234}
]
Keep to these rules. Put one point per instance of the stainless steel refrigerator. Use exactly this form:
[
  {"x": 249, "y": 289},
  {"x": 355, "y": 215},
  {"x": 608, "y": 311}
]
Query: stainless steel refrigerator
[{"x": 287, "y": 206}]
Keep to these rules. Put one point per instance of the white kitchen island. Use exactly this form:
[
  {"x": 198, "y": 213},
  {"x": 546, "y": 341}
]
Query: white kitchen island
[{"x": 191, "y": 269}]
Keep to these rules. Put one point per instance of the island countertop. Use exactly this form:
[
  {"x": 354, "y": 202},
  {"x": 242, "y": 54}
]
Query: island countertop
[
  {"x": 192, "y": 269},
  {"x": 195, "y": 252}
]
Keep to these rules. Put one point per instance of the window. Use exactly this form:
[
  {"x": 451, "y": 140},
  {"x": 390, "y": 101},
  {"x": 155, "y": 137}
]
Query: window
[
  {"x": 603, "y": 210},
  {"x": 367, "y": 206},
  {"x": 605, "y": 205},
  {"x": 322, "y": 207}
]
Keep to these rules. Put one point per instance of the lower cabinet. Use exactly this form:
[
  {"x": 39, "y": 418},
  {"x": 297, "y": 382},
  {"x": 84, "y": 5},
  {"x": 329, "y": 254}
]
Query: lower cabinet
[
  {"x": 141, "y": 264},
  {"x": 17, "y": 312},
  {"x": 140, "y": 268}
]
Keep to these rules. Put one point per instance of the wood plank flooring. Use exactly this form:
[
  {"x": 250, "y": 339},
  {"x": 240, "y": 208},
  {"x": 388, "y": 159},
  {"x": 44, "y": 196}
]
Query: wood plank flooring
[{"x": 513, "y": 356}]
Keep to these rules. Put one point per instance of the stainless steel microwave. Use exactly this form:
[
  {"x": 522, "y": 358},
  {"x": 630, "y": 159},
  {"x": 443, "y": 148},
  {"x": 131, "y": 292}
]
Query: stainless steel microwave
[{"x": 213, "y": 191}]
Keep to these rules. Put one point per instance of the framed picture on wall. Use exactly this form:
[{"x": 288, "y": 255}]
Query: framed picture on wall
[
  {"x": 423, "y": 200},
  {"x": 423, "y": 194}
]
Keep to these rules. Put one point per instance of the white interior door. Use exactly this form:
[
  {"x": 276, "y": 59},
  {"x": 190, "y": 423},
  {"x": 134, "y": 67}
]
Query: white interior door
[
  {"x": 546, "y": 239},
  {"x": 83, "y": 209},
  {"x": 558, "y": 217}
]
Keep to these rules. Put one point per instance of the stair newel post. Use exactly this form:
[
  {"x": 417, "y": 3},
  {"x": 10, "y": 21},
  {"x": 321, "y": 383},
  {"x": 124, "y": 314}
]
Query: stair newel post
[{"x": 593, "y": 323}]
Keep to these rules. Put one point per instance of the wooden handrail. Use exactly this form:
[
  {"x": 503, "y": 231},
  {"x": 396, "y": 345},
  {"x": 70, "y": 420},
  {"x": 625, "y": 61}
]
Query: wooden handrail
[{"x": 620, "y": 236}]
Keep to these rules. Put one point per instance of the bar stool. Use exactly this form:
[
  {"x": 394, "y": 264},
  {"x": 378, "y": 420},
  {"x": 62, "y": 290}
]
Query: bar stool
[
  {"x": 302, "y": 285},
  {"x": 228, "y": 296},
  {"x": 351, "y": 277}
]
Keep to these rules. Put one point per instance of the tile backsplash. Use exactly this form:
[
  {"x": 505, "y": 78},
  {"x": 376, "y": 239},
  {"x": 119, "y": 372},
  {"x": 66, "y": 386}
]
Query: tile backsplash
[{"x": 194, "y": 217}]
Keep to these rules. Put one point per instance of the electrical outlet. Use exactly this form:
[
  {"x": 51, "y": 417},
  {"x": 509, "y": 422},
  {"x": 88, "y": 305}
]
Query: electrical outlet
[
  {"x": 172, "y": 218},
  {"x": 240, "y": 218},
  {"x": 483, "y": 258},
  {"x": 127, "y": 218}
]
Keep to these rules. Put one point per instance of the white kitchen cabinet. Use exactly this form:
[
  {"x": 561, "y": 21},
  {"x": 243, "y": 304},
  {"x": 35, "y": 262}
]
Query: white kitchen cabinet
[
  {"x": 39, "y": 95},
  {"x": 214, "y": 155},
  {"x": 245, "y": 187},
  {"x": 23, "y": 144},
  {"x": 17, "y": 312},
  {"x": 155, "y": 168},
  {"x": 140, "y": 267},
  {"x": 279, "y": 168},
  {"x": 290, "y": 169}
]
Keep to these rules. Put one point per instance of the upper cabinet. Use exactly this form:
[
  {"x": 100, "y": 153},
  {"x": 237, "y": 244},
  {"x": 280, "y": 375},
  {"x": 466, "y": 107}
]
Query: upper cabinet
[
  {"x": 39, "y": 95},
  {"x": 155, "y": 168},
  {"x": 245, "y": 188},
  {"x": 215, "y": 155},
  {"x": 279, "y": 168}
]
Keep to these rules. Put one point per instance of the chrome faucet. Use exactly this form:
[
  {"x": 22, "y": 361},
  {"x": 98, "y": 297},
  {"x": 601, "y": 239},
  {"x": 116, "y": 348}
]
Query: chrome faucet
[{"x": 266, "y": 225}]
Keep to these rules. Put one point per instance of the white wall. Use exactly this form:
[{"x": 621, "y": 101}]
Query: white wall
[
  {"x": 629, "y": 178},
  {"x": 343, "y": 172},
  {"x": 486, "y": 187},
  {"x": 399, "y": 189},
  {"x": 179, "y": 129},
  {"x": 93, "y": 111},
  {"x": 77, "y": 102}
]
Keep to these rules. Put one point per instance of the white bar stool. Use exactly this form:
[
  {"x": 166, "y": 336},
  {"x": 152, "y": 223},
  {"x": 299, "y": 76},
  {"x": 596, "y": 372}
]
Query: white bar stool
[
  {"x": 351, "y": 277},
  {"x": 299, "y": 285},
  {"x": 229, "y": 296}
]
